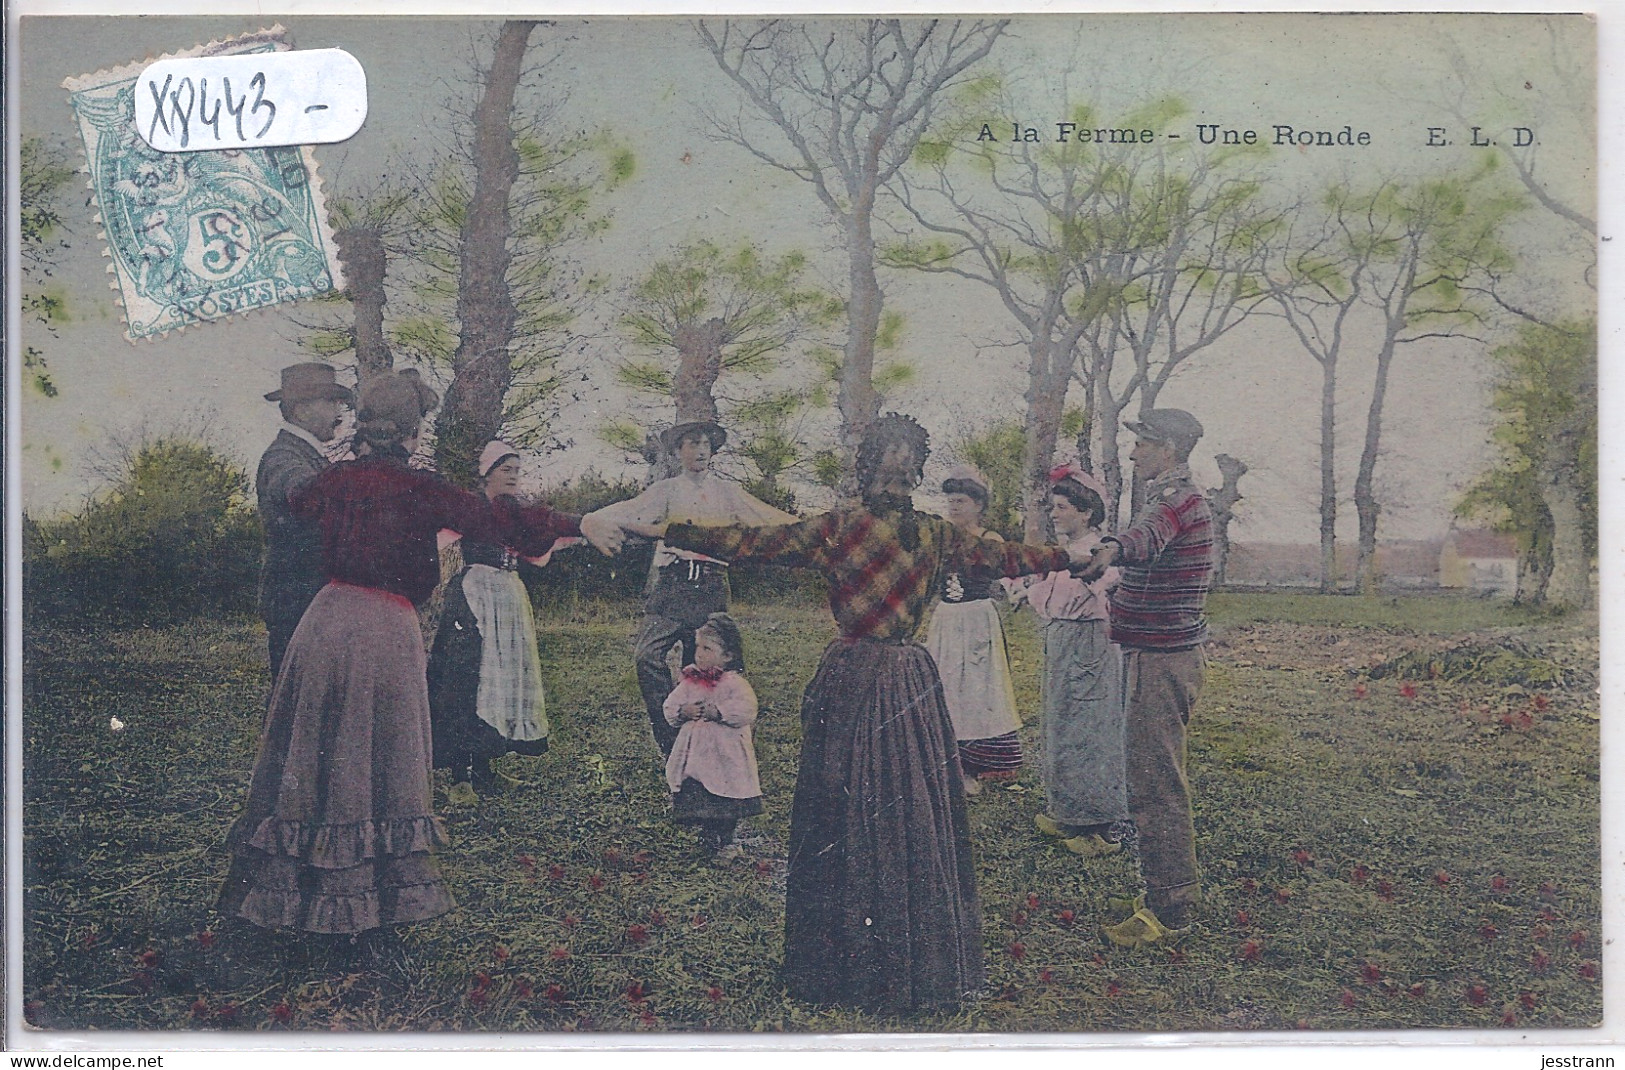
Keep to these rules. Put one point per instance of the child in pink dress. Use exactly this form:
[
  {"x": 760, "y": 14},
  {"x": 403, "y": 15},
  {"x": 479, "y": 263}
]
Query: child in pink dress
[{"x": 712, "y": 769}]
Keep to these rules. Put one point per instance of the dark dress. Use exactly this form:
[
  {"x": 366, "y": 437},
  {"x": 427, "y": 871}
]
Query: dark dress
[
  {"x": 337, "y": 832},
  {"x": 881, "y": 909},
  {"x": 462, "y": 738},
  {"x": 291, "y": 570}
]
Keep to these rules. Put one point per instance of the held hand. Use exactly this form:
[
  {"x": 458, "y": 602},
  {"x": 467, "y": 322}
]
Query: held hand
[
  {"x": 604, "y": 534},
  {"x": 1094, "y": 566}
]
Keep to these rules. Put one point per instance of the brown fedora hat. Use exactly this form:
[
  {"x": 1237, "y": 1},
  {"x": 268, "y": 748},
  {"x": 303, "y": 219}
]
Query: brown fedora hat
[{"x": 311, "y": 382}]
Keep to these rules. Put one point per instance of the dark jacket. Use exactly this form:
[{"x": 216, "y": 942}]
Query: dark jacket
[{"x": 291, "y": 572}]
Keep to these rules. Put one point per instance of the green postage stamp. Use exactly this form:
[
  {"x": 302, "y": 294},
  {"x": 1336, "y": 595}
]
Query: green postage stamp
[{"x": 200, "y": 236}]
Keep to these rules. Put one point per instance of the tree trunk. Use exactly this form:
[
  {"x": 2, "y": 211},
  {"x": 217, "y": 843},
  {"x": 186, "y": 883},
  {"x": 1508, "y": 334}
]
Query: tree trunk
[
  {"x": 1365, "y": 497},
  {"x": 482, "y": 367},
  {"x": 1223, "y": 501},
  {"x": 1111, "y": 459},
  {"x": 1570, "y": 584},
  {"x": 857, "y": 400},
  {"x": 1046, "y": 401},
  {"x": 364, "y": 265},
  {"x": 699, "y": 364},
  {"x": 1328, "y": 475}
]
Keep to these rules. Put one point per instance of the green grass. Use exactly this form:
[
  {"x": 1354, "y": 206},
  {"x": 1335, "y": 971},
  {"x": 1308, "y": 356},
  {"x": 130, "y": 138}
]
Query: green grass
[{"x": 1382, "y": 792}]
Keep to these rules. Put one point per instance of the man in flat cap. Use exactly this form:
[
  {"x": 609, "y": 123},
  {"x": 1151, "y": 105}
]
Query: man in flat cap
[
  {"x": 1166, "y": 558},
  {"x": 291, "y": 571},
  {"x": 688, "y": 587}
]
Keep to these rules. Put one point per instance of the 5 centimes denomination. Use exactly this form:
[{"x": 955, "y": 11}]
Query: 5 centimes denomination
[{"x": 200, "y": 236}]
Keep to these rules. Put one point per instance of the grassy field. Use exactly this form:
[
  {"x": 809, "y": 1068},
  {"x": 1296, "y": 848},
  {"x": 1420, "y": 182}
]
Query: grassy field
[{"x": 1383, "y": 847}]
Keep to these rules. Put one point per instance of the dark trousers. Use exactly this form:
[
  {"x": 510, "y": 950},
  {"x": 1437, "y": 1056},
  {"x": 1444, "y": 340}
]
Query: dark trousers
[
  {"x": 683, "y": 597},
  {"x": 1162, "y": 689}
]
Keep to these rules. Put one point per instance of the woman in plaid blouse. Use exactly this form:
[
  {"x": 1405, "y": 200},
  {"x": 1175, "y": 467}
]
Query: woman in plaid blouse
[{"x": 881, "y": 909}]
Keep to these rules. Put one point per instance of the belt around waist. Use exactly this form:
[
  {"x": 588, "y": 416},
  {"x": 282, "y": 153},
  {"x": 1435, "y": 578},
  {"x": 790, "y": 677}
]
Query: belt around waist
[{"x": 692, "y": 570}]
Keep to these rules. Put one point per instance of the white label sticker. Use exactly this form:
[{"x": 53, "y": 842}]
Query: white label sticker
[{"x": 251, "y": 102}]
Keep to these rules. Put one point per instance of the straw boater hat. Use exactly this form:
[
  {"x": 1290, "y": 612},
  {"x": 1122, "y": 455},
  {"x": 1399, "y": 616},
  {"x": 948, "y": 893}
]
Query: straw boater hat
[
  {"x": 310, "y": 382},
  {"x": 495, "y": 452},
  {"x": 673, "y": 437}
]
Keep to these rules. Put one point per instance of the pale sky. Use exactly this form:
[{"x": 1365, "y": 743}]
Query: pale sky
[{"x": 644, "y": 79}]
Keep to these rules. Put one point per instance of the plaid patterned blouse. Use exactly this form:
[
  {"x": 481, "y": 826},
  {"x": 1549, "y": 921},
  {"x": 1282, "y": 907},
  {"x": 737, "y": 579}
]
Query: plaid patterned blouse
[{"x": 878, "y": 588}]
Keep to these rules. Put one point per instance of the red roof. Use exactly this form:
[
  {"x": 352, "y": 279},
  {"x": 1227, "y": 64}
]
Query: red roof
[{"x": 1480, "y": 545}]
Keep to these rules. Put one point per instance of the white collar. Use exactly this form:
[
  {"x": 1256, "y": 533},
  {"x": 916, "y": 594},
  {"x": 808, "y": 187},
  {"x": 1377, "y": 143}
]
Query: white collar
[{"x": 299, "y": 432}]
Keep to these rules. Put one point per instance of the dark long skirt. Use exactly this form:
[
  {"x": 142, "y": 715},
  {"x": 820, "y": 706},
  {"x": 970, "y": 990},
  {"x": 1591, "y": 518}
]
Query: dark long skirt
[
  {"x": 337, "y": 831},
  {"x": 881, "y": 909}
]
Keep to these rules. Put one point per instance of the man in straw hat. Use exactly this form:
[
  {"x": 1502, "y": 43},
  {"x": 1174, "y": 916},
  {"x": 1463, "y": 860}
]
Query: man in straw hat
[
  {"x": 688, "y": 587},
  {"x": 291, "y": 570},
  {"x": 1166, "y": 558}
]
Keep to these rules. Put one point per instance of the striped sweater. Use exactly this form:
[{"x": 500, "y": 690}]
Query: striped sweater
[{"x": 1167, "y": 560}]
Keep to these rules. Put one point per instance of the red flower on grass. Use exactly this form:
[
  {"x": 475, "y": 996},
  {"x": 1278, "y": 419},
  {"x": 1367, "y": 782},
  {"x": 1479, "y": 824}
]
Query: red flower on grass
[
  {"x": 482, "y": 980},
  {"x": 1488, "y": 932},
  {"x": 1249, "y": 885},
  {"x": 1385, "y": 891},
  {"x": 1017, "y": 950},
  {"x": 1303, "y": 858},
  {"x": 1441, "y": 878},
  {"x": 1528, "y": 999},
  {"x": 1346, "y": 999},
  {"x": 1243, "y": 919},
  {"x": 560, "y": 954},
  {"x": 478, "y": 996},
  {"x": 642, "y": 858},
  {"x": 555, "y": 872},
  {"x": 570, "y": 921},
  {"x": 1577, "y": 939},
  {"x": 1509, "y": 1015},
  {"x": 554, "y": 993},
  {"x": 500, "y": 952},
  {"x": 1175, "y": 956},
  {"x": 596, "y": 882},
  {"x": 636, "y": 933},
  {"x": 522, "y": 988},
  {"x": 227, "y": 1012},
  {"x": 647, "y": 1017},
  {"x": 142, "y": 979},
  {"x": 1417, "y": 990},
  {"x": 1113, "y": 988},
  {"x": 698, "y": 921},
  {"x": 88, "y": 940},
  {"x": 762, "y": 868},
  {"x": 1019, "y": 918},
  {"x": 1250, "y": 951},
  {"x": 1066, "y": 916},
  {"x": 149, "y": 958},
  {"x": 636, "y": 993},
  {"x": 1477, "y": 995},
  {"x": 1359, "y": 874},
  {"x": 205, "y": 939},
  {"x": 1361, "y": 691},
  {"x": 1032, "y": 900},
  {"x": 1547, "y": 914},
  {"x": 656, "y": 918},
  {"x": 1539, "y": 961},
  {"x": 1498, "y": 883},
  {"x": 714, "y": 993},
  {"x": 1588, "y": 971},
  {"x": 1541, "y": 702},
  {"x": 640, "y": 876},
  {"x": 1407, "y": 690},
  {"x": 1046, "y": 975},
  {"x": 200, "y": 1008},
  {"x": 1370, "y": 973},
  {"x": 282, "y": 1013},
  {"x": 1282, "y": 895}
]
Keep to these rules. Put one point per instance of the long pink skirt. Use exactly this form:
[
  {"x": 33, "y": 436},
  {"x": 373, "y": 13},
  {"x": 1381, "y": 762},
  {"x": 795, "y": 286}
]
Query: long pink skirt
[{"x": 339, "y": 823}]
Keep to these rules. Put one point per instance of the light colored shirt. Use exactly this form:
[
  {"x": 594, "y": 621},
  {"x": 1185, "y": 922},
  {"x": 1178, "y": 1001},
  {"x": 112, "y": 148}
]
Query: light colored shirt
[
  {"x": 299, "y": 432},
  {"x": 705, "y": 499},
  {"x": 1062, "y": 596},
  {"x": 719, "y": 754}
]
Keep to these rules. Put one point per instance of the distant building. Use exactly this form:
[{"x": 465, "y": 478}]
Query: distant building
[
  {"x": 1408, "y": 563},
  {"x": 1480, "y": 561}
]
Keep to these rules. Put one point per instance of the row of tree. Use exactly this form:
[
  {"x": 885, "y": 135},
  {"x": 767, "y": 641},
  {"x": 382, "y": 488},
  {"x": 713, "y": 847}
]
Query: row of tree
[{"x": 1117, "y": 263}]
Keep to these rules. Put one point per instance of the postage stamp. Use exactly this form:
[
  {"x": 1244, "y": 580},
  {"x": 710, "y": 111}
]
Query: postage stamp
[{"x": 200, "y": 236}]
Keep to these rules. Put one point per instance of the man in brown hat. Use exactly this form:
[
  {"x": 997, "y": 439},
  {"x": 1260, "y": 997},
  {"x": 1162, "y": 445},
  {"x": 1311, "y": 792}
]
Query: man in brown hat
[
  {"x": 1166, "y": 558},
  {"x": 291, "y": 571},
  {"x": 689, "y": 587}
]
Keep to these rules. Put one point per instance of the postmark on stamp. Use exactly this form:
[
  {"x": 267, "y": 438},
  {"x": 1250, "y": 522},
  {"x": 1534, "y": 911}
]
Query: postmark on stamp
[{"x": 200, "y": 236}]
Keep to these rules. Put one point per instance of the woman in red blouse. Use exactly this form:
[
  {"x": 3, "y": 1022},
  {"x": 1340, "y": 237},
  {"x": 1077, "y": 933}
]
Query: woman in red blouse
[
  {"x": 337, "y": 831},
  {"x": 881, "y": 909}
]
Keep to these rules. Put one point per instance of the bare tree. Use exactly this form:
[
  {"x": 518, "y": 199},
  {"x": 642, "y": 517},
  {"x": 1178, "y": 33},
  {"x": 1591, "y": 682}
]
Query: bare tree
[
  {"x": 1429, "y": 240},
  {"x": 1223, "y": 499},
  {"x": 846, "y": 107}
]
